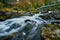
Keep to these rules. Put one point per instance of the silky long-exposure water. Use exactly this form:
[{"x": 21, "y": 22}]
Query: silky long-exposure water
[{"x": 25, "y": 27}]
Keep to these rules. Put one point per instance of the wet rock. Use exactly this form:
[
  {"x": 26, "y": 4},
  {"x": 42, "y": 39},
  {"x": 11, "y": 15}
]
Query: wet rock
[
  {"x": 45, "y": 17},
  {"x": 28, "y": 20},
  {"x": 56, "y": 23},
  {"x": 27, "y": 14},
  {"x": 57, "y": 17},
  {"x": 28, "y": 27}
]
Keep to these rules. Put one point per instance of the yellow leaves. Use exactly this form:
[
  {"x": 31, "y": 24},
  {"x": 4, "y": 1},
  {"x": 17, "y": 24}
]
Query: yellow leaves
[
  {"x": 21, "y": 11},
  {"x": 14, "y": 11},
  {"x": 7, "y": 10},
  {"x": 29, "y": 3},
  {"x": 32, "y": 9}
]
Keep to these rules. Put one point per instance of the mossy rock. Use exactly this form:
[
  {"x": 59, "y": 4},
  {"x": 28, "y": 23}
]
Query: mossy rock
[{"x": 48, "y": 32}]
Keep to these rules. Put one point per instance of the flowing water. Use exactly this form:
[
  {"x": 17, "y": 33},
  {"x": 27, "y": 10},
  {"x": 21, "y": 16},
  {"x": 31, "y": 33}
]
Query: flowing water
[{"x": 25, "y": 27}]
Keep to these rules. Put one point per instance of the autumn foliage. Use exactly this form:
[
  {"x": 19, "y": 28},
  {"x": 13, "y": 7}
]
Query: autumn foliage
[{"x": 25, "y": 5}]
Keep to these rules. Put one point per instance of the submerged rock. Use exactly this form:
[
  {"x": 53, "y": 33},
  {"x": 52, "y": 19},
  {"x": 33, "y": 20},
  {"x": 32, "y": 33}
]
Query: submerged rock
[{"x": 30, "y": 28}]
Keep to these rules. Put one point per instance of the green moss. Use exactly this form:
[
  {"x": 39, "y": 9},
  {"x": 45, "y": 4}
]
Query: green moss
[
  {"x": 52, "y": 26},
  {"x": 48, "y": 30}
]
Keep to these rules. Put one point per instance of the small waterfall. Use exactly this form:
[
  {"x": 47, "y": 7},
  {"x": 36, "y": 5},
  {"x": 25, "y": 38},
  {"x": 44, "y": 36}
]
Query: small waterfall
[
  {"x": 15, "y": 25},
  {"x": 25, "y": 27}
]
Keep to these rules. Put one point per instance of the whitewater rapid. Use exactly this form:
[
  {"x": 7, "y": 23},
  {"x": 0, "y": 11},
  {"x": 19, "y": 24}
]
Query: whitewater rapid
[{"x": 14, "y": 25}]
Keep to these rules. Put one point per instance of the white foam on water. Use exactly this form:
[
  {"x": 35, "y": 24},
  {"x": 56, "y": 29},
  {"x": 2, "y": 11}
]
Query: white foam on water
[{"x": 5, "y": 25}]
